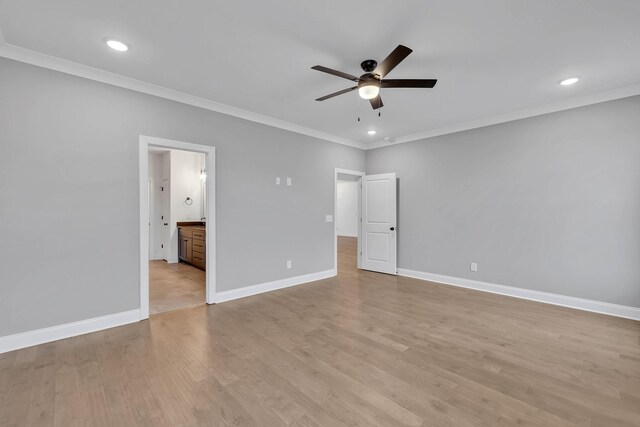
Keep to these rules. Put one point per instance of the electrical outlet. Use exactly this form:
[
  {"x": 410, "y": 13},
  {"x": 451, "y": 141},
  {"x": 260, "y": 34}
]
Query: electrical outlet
[
  {"x": 277, "y": 180},
  {"x": 288, "y": 264},
  {"x": 474, "y": 266}
]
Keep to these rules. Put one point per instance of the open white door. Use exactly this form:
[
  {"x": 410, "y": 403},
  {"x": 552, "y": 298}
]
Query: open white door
[
  {"x": 165, "y": 217},
  {"x": 379, "y": 223}
]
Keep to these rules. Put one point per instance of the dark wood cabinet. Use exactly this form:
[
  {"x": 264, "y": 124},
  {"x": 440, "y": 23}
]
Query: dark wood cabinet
[
  {"x": 192, "y": 246},
  {"x": 185, "y": 249}
]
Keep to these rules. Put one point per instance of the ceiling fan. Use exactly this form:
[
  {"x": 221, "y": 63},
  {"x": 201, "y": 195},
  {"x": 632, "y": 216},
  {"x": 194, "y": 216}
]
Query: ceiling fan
[{"x": 370, "y": 83}]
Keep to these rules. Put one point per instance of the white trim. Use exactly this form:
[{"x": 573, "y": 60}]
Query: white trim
[
  {"x": 39, "y": 59},
  {"x": 336, "y": 171},
  {"x": 153, "y": 250},
  {"x": 348, "y": 172},
  {"x": 248, "y": 291},
  {"x": 54, "y": 333},
  {"x": 624, "y": 311},
  {"x": 582, "y": 101},
  {"x": 143, "y": 167},
  {"x": 143, "y": 170}
]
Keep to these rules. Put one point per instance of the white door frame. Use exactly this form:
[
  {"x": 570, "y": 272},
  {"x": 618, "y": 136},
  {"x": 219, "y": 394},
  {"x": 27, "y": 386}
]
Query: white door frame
[
  {"x": 336, "y": 171},
  {"x": 154, "y": 226},
  {"x": 210, "y": 162}
]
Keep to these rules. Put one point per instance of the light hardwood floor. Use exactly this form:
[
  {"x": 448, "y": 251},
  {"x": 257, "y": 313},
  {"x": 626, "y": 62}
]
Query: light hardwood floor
[
  {"x": 174, "y": 286},
  {"x": 360, "y": 349}
]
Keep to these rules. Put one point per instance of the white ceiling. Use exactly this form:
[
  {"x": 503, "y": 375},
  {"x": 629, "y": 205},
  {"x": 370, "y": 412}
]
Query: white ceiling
[{"x": 490, "y": 57}]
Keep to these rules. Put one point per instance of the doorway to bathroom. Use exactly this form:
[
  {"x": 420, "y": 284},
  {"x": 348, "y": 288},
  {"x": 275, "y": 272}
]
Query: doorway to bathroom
[{"x": 177, "y": 225}]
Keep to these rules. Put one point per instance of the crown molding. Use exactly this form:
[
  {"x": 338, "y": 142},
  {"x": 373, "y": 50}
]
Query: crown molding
[
  {"x": 39, "y": 59},
  {"x": 582, "y": 101}
]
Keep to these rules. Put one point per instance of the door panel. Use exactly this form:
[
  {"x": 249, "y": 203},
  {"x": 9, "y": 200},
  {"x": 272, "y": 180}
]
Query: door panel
[
  {"x": 150, "y": 200},
  {"x": 378, "y": 246},
  {"x": 378, "y": 201},
  {"x": 379, "y": 223},
  {"x": 166, "y": 230}
]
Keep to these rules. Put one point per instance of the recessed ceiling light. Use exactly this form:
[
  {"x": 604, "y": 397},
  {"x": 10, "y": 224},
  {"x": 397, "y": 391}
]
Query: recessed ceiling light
[
  {"x": 569, "y": 81},
  {"x": 371, "y": 132},
  {"x": 117, "y": 45}
]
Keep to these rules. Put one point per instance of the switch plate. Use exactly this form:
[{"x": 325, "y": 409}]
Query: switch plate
[
  {"x": 328, "y": 218},
  {"x": 474, "y": 266},
  {"x": 289, "y": 181},
  {"x": 288, "y": 264},
  {"x": 277, "y": 180}
]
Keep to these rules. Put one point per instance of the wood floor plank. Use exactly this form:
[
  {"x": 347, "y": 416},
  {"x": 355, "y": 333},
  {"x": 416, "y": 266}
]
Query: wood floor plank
[
  {"x": 359, "y": 349},
  {"x": 20, "y": 377},
  {"x": 67, "y": 409},
  {"x": 174, "y": 286},
  {"x": 41, "y": 400}
]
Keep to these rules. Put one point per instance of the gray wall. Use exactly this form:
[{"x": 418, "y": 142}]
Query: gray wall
[
  {"x": 69, "y": 195},
  {"x": 550, "y": 203}
]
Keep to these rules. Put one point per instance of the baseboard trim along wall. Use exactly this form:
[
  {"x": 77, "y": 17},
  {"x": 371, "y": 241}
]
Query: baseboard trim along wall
[
  {"x": 68, "y": 330},
  {"x": 545, "y": 297},
  {"x": 54, "y": 333},
  {"x": 271, "y": 286}
]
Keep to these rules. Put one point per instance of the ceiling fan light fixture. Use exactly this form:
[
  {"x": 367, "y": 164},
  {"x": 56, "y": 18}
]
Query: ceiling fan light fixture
[{"x": 368, "y": 91}]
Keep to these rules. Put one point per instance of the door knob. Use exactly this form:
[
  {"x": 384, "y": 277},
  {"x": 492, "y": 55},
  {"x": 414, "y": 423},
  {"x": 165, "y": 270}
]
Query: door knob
[{"x": 392, "y": 228}]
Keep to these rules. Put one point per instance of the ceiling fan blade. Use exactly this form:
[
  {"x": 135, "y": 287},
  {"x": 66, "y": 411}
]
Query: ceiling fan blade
[
  {"x": 391, "y": 61},
  {"x": 340, "y": 92},
  {"x": 335, "y": 72},
  {"x": 425, "y": 83},
  {"x": 376, "y": 102}
]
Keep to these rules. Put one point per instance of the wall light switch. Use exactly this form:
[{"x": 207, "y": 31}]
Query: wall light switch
[
  {"x": 474, "y": 266},
  {"x": 288, "y": 264},
  {"x": 277, "y": 180},
  {"x": 289, "y": 181},
  {"x": 328, "y": 218}
]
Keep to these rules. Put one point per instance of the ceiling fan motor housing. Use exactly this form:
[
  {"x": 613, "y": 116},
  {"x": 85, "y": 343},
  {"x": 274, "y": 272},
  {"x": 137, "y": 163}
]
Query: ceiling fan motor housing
[
  {"x": 369, "y": 65},
  {"x": 368, "y": 80}
]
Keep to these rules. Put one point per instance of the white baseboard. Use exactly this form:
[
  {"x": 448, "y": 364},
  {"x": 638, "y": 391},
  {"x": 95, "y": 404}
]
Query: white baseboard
[
  {"x": 54, "y": 333},
  {"x": 271, "y": 286},
  {"x": 624, "y": 311}
]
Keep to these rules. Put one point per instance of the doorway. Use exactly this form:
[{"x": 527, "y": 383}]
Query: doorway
[
  {"x": 165, "y": 220},
  {"x": 373, "y": 238},
  {"x": 347, "y": 225}
]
